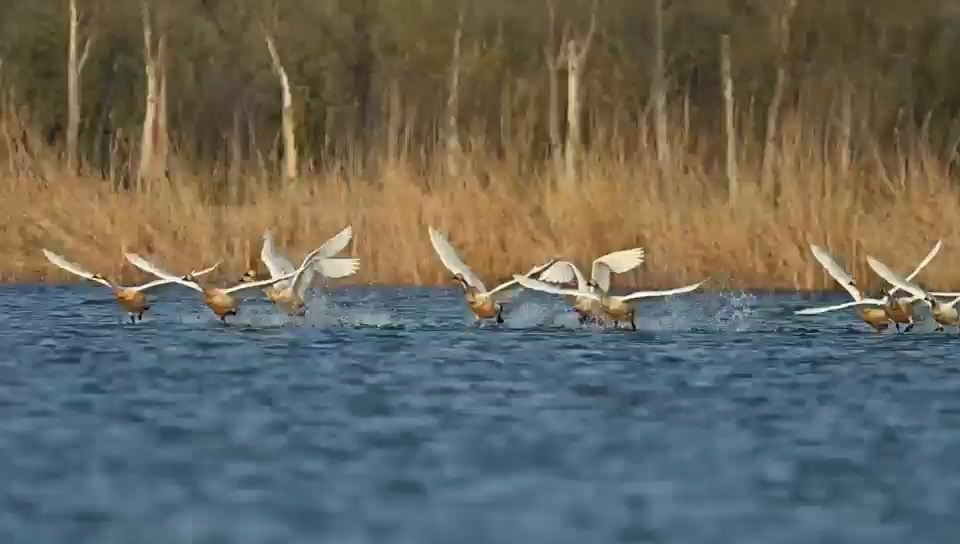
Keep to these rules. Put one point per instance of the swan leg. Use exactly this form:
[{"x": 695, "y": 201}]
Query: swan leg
[
  {"x": 897, "y": 325},
  {"x": 133, "y": 318},
  {"x": 500, "y": 315},
  {"x": 633, "y": 324},
  {"x": 939, "y": 328},
  {"x": 909, "y": 326}
]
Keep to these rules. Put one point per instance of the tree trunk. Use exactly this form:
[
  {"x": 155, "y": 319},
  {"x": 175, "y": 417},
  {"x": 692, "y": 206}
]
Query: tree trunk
[
  {"x": 287, "y": 116},
  {"x": 146, "y": 170},
  {"x": 363, "y": 73},
  {"x": 161, "y": 140},
  {"x": 572, "y": 152},
  {"x": 659, "y": 85},
  {"x": 553, "y": 59},
  {"x": 75, "y": 63},
  {"x": 453, "y": 99},
  {"x": 773, "y": 113},
  {"x": 726, "y": 77}
]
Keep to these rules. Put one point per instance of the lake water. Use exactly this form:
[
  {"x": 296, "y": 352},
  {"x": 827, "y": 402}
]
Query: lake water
[{"x": 387, "y": 416}]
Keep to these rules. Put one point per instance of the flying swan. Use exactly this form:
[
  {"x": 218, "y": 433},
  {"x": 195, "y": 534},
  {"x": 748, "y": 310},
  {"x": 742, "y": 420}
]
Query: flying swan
[
  {"x": 944, "y": 313},
  {"x": 617, "y": 262},
  {"x": 133, "y": 299},
  {"x": 484, "y": 304}
]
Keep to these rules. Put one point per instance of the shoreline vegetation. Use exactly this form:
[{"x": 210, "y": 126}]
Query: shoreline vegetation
[{"x": 723, "y": 144}]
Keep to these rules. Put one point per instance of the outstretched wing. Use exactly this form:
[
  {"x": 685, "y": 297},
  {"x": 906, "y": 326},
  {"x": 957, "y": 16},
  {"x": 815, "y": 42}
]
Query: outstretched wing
[
  {"x": 533, "y": 272},
  {"x": 336, "y": 267},
  {"x": 450, "y": 259},
  {"x": 205, "y": 271},
  {"x": 825, "y": 309},
  {"x": 894, "y": 279},
  {"x": 552, "y": 289},
  {"x": 150, "y": 268},
  {"x": 926, "y": 260},
  {"x": 664, "y": 293},
  {"x": 336, "y": 244},
  {"x": 277, "y": 264},
  {"x": 251, "y": 286},
  {"x": 564, "y": 272},
  {"x": 73, "y": 268},
  {"x": 836, "y": 271},
  {"x": 149, "y": 286},
  {"x": 617, "y": 262}
]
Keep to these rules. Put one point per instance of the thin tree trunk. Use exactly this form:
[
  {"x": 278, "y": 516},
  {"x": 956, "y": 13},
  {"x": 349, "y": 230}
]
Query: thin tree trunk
[
  {"x": 726, "y": 77},
  {"x": 659, "y": 85},
  {"x": 161, "y": 139},
  {"x": 846, "y": 126},
  {"x": 75, "y": 63},
  {"x": 453, "y": 99},
  {"x": 150, "y": 107},
  {"x": 553, "y": 59},
  {"x": 773, "y": 113},
  {"x": 287, "y": 117},
  {"x": 576, "y": 56}
]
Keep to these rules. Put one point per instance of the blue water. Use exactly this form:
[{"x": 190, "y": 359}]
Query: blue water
[{"x": 387, "y": 416}]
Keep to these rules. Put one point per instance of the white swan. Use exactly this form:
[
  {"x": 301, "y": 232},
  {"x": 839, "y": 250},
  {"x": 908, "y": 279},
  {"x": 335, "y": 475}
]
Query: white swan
[
  {"x": 222, "y": 301},
  {"x": 618, "y": 308},
  {"x": 944, "y": 313},
  {"x": 617, "y": 262},
  {"x": 133, "y": 298},
  {"x": 484, "y": 304},
  {"x": 289, "y": 294},
  {"x": 889, "y": 308}
]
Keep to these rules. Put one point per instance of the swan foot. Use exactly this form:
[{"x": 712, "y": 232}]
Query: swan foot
[
  {"x": 633, "y": 325},
  {"x": 500, "y": 315},
  {"x": 133, "y": 318},
  {"x": 938, "y": 329},
  {"x": 909, "y": 327}
]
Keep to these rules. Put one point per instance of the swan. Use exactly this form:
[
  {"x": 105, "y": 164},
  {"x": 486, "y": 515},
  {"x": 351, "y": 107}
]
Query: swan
[
  {"x": 133, "y": 299},
  {"x": 618, "y": 308},
  {"x": 617, "y": 262},
  {"x": 483, "y": 303},
  {"x": 875, "y": 312},
  {"x": 222, "y": 302},
  {"x": 291, "y": 295},
  {"x": 944, "y": 313}
]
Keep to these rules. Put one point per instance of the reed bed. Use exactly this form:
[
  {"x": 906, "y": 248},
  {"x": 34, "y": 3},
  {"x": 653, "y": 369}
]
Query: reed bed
[{"x": 505, "y": 220}]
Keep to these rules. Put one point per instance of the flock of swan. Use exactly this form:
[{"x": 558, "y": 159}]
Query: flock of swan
[
  {"x": 287, "y": 287},
  {"x": 889, "y": 308}
]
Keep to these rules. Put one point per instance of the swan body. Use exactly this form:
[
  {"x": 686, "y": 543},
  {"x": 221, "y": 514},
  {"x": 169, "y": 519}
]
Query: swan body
[
  {"x": 878, "y": 313},
  {"x": 944, "y": 312},
  {"x": 222, "y": 301},
  {"x": 133, "y": 299},
  {"x": 617, "y": 308},
  {"x": 290, "y": 294},
  {"x": 485, "y": 304},
  {"x": 603, "y": 267}
]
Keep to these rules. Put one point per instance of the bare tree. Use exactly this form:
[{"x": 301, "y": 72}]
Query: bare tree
[
  {"x": 452, "y": 137},
  {"x": 76, "y": 60},
  {"x": 287, "y": 114},
  {"x": 728, "y": 122},
  {"x": 659, "y": 87},
  {"x": 575, "y": 56},
  {"x": 150, "y": 66},
  {"x": 773, "y": 114},
  {"x": 554, "y": 58}
]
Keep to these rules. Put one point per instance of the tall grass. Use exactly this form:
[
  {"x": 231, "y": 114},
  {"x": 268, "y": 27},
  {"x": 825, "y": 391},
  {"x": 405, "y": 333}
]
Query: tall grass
[{"x": 505, "y": 218}]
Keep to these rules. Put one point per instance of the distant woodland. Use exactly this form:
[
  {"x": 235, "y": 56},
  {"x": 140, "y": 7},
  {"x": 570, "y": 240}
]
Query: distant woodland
[{"x": 389, "y": 78}]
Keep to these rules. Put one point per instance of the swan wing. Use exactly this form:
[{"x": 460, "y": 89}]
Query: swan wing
[
  {"x": 552, "y": 289},
  {"x": 277, "y": 264},
  {"x": 894, "y": 279},
  {"x": 336, "y": 267},
  {"x": 836, "y": 271},
  {"x": 945, "y": 294},
  {"x": 531, "y": 273},
  {"x": 825, "y": 309},
  {"x": 617, "y": 262},
  {"x": 664, "y": 293},
  {"x": 254, "y": 285},
  {"x": 205, "y": 271},
  {"x": 564, "y": 272},
  {"x": 926, "y": 260},
  {"x": 336, "y": 244},
  {"x": 150, "y": 268},
  {"x": 73, "y": 268},
  {"x": 450, "y": 259}
]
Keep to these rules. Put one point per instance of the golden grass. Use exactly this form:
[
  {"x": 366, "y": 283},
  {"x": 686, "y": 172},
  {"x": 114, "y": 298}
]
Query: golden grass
[{"x": 504, "y": 222}]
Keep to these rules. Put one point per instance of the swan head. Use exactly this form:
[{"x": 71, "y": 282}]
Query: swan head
[
  {"x": 459, "y": 278},
  {"x": 249, "y": 276},
  {"x": 190, "y": 277},
  {"x": 98, "y": 277}
]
